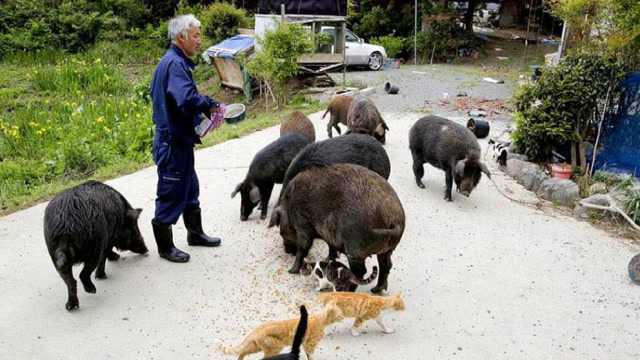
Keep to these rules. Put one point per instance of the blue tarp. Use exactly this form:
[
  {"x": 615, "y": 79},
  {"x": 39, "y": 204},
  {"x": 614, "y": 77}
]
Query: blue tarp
[
  {"x": 620, "y": 139},
  {"x": 231, "y": 46}
]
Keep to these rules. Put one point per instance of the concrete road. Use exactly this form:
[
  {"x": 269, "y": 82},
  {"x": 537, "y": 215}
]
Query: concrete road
[{"x": 482, "y": 277}]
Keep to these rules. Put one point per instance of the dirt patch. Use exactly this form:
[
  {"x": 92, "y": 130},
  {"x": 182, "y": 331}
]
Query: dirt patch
[{"x": 466, "y": 104}]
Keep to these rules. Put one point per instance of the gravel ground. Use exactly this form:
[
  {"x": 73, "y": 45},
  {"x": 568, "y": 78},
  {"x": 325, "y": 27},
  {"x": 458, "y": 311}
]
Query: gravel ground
[
  {"x": 482, "y": 277},
  {"x": 425, "y": 82}
]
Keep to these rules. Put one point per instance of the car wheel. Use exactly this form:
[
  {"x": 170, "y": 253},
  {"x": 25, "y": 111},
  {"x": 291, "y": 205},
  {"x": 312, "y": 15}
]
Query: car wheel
[{"x": 375, "y": 61}]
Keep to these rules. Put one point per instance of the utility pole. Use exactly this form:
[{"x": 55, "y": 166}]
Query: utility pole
[{"x": 415, "y": 34}]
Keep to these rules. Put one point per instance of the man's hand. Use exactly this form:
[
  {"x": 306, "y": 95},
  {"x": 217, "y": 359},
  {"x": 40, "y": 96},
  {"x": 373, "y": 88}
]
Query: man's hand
[{"x": 217, "y": 108}]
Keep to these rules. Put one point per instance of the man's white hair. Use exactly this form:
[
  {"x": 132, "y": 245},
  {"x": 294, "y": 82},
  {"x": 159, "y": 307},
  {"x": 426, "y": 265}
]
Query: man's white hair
[{"x": 181, "y": 25}]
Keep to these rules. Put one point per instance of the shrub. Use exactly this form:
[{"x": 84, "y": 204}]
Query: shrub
[
  {"x": 392, "y": 45},
  {"x": 221, "y": 20},
  {"x": 561, "y": 106},
  {"x": 72, "y": 25},
  {"x": 442, "y": 37},
  {"x": 632, "y": 205},
  {"x": 277, "y": 61}
]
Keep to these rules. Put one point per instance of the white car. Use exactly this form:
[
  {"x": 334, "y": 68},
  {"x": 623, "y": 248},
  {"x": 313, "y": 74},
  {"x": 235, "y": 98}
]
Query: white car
[{"x": 358, "y": 52}]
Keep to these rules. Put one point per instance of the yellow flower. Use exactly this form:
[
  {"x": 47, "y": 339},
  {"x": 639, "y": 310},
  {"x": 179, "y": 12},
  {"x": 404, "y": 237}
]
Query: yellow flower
[
  {"x": 107, "y": 129},
  {"x": 100, "y": 119},
  {"x": 33, "y": 124}
]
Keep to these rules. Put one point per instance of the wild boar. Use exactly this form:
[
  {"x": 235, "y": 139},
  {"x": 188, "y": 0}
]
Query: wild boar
[
  {"x": 364, "y": 118},
  {"x": 350, "y": 207},
  {"x": 299, "y": 123},
  {"x": 448, "y": 146},
  {"x": 339, "y": 108},
  {"x": 82, "y": 225},
  {"x": 267, "y": 168},
  {"x": 352, "y": 149}
]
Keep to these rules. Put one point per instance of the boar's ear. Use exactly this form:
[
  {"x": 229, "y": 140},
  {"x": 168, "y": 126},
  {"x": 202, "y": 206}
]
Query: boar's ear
[
  {"x": 384, "y": 125},
  {"x": 254, "y": 194},
  {"x": 275, "y": 217},
  {"x": 460, "y": 167},
  {"x": 134, "y": 213},
  {"x": 485, "y": 170},
  {"x": 233, "y": 194}
]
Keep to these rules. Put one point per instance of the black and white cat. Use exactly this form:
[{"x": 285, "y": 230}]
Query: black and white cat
[
  {"x": 337, "y": 276},
  {"x": 500, "y": 151}
]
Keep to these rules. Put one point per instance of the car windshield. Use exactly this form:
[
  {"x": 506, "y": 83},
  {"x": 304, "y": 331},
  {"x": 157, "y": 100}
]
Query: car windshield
[{"x": 349, "y": 36}]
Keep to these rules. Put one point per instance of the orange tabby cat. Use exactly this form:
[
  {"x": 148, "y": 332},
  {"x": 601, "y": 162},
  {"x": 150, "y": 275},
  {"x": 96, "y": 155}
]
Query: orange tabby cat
[
  {"x": 272, "y": 336},
  {"x": 363, "y": 307}
]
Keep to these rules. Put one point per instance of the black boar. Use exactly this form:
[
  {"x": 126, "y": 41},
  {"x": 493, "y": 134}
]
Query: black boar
[
  {"x": 352, "y": 149},
  {"x": 83, "y": 225},
  {"x": 267, "y": 168},
  {"x": 299, "y": 123},
  {"x": 339, "y": 108},
  {"x": 448, "y": 146},
  {"x": 364, "y": 118},
  {"x": 350, "y": 207}
]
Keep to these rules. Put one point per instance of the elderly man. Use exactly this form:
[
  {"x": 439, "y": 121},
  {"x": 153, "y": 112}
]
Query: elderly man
[{"x": 177, "y": 106}]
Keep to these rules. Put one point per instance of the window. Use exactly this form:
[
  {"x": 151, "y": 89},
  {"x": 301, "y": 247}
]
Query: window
[{"x": 350, "y": 37}]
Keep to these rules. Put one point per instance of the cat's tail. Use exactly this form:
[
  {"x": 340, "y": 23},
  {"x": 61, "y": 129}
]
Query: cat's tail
[
  {"x": 300, "y": 331},
  {"x": 354, "y": 279}
]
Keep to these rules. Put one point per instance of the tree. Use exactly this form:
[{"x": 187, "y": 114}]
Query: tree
[{"x": 468, "y": 16}]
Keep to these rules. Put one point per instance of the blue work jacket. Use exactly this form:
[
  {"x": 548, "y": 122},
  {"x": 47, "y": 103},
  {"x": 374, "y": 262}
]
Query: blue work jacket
[{"x": 177, "y": 105}]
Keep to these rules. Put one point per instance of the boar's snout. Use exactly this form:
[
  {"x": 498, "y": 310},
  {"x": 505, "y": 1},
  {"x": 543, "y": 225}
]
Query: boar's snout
[{"x": 136, "y": 244}]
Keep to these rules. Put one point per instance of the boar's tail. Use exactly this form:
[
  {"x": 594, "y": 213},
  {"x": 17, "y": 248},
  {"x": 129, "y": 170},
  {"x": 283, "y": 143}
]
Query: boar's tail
[
  {"x": 63, "y": 254},
  {"x": 394, "y": 232},
  {"x": 325, "y": 113},
  {"x": 354, "y": 279}
]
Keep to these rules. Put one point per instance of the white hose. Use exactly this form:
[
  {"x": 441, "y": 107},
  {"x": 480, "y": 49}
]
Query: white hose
[{"x": 613, "y": 209}]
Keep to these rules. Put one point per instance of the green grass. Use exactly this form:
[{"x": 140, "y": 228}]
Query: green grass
[
  {"x": 632, "y": 205},
  {"x": 68, "y": 118}
]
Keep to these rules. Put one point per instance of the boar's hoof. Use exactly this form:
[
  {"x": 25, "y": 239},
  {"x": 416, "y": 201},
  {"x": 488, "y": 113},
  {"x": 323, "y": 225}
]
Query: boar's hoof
[
  {"x": 101, "y": 276},
  {"x": 420, "y": 184},
  {"x": 89, "y": 287},
  {"x": 263, "y": 216},
  {"x": 112, "y": 256},
  {"x": 294, "y": 270},
  {"x": 380, "y": 290},
  {"x": 72, "y": 304}
]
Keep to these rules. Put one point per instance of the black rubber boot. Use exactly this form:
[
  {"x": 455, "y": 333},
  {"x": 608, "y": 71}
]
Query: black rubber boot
[
  {"x": 166, "y": 249},
  {"x": 195, "y": 235}
]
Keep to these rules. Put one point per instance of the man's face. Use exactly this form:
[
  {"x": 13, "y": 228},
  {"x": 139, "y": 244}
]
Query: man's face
[{"x": 190, "y": 45}]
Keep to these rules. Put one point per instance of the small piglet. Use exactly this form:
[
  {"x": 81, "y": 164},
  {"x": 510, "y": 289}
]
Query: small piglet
[
  {"x": 267, "y": 168},
  {"x": 448, "y": 146},
  {"x": 83, "y": 225},
  {"x": 353, "y": 209},
  {"x": 364, "y": 118},
  {"x": 299, "y": 123},
  {"x": 339, "y": 108}
]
